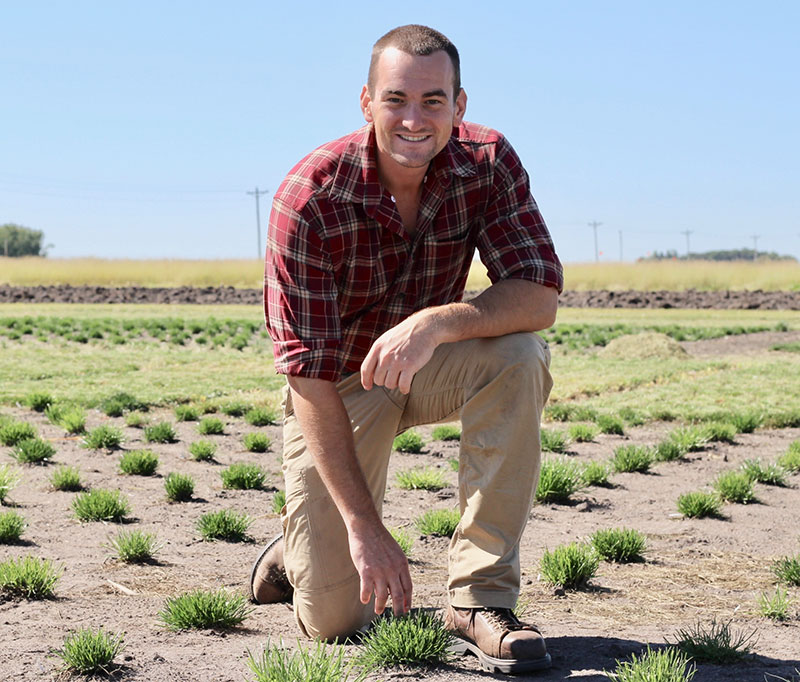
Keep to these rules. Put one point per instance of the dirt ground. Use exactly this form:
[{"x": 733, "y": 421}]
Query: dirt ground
[{"x": 695, "y": 570}]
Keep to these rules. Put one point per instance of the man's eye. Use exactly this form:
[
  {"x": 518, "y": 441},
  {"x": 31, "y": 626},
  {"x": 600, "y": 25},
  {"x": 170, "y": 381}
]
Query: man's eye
[
  {"x": 393, "y": 100},
  {"x": 432, "y": 102}
]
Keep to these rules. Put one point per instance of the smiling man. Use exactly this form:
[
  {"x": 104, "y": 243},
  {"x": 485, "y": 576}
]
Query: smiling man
[{"x": 370, "y": 242}]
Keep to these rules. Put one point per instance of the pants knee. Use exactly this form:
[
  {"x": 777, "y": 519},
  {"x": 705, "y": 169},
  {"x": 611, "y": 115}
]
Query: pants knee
[{"x": 333, "y": 614}]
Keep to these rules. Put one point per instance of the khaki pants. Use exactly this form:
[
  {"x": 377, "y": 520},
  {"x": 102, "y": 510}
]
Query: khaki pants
[{"x": 498, "y": 388}]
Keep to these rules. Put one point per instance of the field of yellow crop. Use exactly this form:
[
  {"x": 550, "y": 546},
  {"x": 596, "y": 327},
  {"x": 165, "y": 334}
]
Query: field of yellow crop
[{"x": 248, "y": 273}]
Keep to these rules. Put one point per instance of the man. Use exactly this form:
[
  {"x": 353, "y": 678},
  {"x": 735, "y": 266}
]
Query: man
[{"x": 370, "y": 241}]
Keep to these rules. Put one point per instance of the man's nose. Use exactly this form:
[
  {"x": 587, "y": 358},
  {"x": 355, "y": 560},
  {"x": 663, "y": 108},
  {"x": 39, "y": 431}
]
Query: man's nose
[{"x": 413, "y": 117}]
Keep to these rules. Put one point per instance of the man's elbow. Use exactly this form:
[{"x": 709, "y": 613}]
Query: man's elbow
[{"x": 546, "y": 308}]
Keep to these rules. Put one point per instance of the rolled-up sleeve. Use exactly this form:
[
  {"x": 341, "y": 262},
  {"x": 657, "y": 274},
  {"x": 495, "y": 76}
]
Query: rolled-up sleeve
[
  {"x": 300, "y": 298},
  {"x": 515, "y": 242}
]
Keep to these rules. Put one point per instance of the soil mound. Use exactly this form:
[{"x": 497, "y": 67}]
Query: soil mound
[{"x": 645, "y": 345}]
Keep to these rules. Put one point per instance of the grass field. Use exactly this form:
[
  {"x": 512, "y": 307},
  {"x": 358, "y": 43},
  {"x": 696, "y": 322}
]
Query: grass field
[{"x": 671, "y": 275}]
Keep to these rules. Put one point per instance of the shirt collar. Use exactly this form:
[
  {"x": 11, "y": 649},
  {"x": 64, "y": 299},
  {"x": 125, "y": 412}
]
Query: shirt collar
[{"x": 356, "y": 177}]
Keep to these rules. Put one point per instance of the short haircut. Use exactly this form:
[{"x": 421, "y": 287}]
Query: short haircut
[{"x": 419, "y": 41}]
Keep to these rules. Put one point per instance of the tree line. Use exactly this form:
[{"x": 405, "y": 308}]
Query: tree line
[
  {"x": 16, "y": 241},
  {"x": 724, "y": 255}
]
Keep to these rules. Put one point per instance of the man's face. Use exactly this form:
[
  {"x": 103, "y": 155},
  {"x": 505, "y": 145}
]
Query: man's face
[{"x": 412, "y": 107}]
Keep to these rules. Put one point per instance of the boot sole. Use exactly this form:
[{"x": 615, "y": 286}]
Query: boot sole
[
  {"x": 257, "y": 563},
  {"x": 507, "y": 666}
]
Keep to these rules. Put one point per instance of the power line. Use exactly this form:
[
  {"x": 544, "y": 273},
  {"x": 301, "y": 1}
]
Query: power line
[
  {"x": 687, "y": 233},
  {"x": 257, "y": 194},
  {"x": 594, "y": 225},
  {"x": 755, "y": 238}
]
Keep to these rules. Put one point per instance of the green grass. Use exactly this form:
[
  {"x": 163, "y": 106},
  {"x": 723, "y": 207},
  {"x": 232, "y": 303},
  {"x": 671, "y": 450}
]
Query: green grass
[
  {"x": 410, "y": 441},
  {"x": 769, "y": 474},
  {"x": 720, "y": 432},
  {"x": 99, "y": 504},
  {"x": 735, "y": 486},
  {"x": 775, "y": 606},
  {"x": 595, "y": 474},
  {"x": 186, "y": 413},
  {"x": 632, "y": 459},
  {"x": 117, "y": 404},
  {"x": 38, "y": 402},
  {"x": 558, "y": 480},
  {"x": 553, "y": 441},
  {"x": 446, "y": 432},
  {"x": 243, "y": 476},
  {"x": 29, "y": 577},
  {"x": 33, "y": 451},
  {"x": 790, "y": 460},
  {"x": 582, "y": 433},
  {"x": 256, "y": 442},
  {"x": 278, "y": 501},
  {"x": 203, "y": 609},
  {"x": 12, "y": 526},
  {"x": 66, "y": 478},
  {"x": 608, "y": 423},
  {"x": 13, "y": 432},
  {"x": 224, "y": 524},
  {"x": 103, "y": 437},
  {"x": 690, "y": 438},
  {"x": 654, "y": 665},
  {"x": 136, "y": 420},
  {"x": 323, "y": 663},
  {"x": 139, "y": 463},
  {"x": 179, "y": 487},
  {"x": 202, "y": 450},
  {"x": 699, "y": 505},
  {"x": 714, "y": 643},
  {"x": 441, "y": 522},
  {"x": 235, "y": 408},
  {"x": 163, "y": 432},
  {"x": 211, "y": 426},
  {"x": 569, "y": 566},
  {"x": 89, "y": 652},
  {"x": 261, "y": 416},
  {"x": 417, "y": 639},
  {"x": 70, "y": 418},
  {"x": 134, "y": 546},
  {"x": 746, "y": 422},
  {"x": 621, "y": 545},
  {"x": 403, "y": 539},
  {"x": 9, "y": 479},
  {"x": 668, "y": 451},
  {"x": 787, "y": 570},
  {"x": 421, "y": 478}
]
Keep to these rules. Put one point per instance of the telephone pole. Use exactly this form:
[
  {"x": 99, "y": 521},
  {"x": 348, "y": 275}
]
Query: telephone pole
[
  {"x": 687, "y": 233},
  {"x": 257, "y": 194},
  {"x": 620, "y": 246},
  {"x": 594, "y": 225},
  {"x": 755, "y": 238}
]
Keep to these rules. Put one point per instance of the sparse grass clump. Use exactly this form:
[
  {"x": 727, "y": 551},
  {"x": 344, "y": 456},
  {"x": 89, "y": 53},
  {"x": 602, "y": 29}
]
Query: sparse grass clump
[
  {"x": 553, "y": 441},
  {"x": 720, "y": 432},
  {"x": 29, "y": 577},
  {"x": 210, "y": 426},
  {"x": 622, "y": 545},
  {"x": 243, "y": 476},
  {"x": 689, "y": 438},
  {"x": 38, "y": 402},
  {"x": 558, "y": 480},
  {"x": 610, "y": 424},
  {"x": 119, "y": 403},
  {"x": 668, "y": 451},
  {"x": 410, "y": 441},
  {"x": 582, "y": 433},
  {"x": 278, "y": 501},
  {"x": 9, "y": 479},
  {"x": 631, "y": 459},
  {"x": 775, "y": 606},
  {"x": 202, "y": 609},
  {"x": 446, "y": 432},
  {"x": 13, "y": 432},
  {"x": 99, "y": 504},
  {"x": 163, "y": 432},
  {"x": 569, "y": 566},
  {"x": 86, "y": 652},
  {"x": 256, "y": 442},
  {"x": 787, "y": 570},
  {"x": 402, "y": 538},
  {"x": 103, "y": 437},
  {"x": 442, "y": 522},
  {"x": 134, "y": 546},
  {"x": 416, "y": 639},
  {"x": 715, "y": 643},
  {"x": 224, "y": 524},
  {"x": 202, "y": 450},
  {"x": 261, "y": 416},
  {"x": 735, "y": 486},
  {"x": 790, "y": 460},
  {"x": 422, "y": 478},
  {"x": 11, "y": 527},
  {"x": 33, "y": 451},
  {"x": 699, "y": 505},
  {"x": 747, "y": 422},
  {"x": 595, "y": 473},
  {"x": 179, "y": 487},
  {"x": 235, "y": 409},
  {"x": 186, "y": 413},
  {"x": 139, "y": 463},
  {"x": 325, "y": 663},
  {"x": 655, "y": 665},
  {"x": 71, "y": 419},
  {"x": 66, "y": 478},
  {"x": 769, "y": 474}
]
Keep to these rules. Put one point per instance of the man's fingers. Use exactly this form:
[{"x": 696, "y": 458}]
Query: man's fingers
[
  {"x": 366, "y": 591},
  {"x": 368, "y": 370},
  {"x": 405, "y": 581},
  {"x": 381, "y": 597}
]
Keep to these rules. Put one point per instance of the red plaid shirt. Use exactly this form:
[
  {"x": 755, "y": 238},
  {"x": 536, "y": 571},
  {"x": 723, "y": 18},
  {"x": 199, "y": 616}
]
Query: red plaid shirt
[{"x": 341, "y": 270}]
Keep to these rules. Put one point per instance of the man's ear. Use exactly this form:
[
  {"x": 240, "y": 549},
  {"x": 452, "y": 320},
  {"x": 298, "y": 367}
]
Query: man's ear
[
  {"x": 460, "y": 108},
  {"x": 366, "y": 104}
]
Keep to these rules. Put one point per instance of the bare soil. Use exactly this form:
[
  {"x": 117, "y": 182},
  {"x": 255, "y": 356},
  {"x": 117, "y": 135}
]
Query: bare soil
[{"x": 695, "y": 570}]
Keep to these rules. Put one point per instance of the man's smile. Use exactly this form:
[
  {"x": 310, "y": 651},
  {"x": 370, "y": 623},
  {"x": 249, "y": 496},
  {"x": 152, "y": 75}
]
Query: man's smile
[{"x": 413, "y": 138}]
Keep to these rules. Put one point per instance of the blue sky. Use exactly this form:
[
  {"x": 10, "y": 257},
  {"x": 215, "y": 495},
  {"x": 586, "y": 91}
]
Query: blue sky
[{"x": 135, "y": 129}]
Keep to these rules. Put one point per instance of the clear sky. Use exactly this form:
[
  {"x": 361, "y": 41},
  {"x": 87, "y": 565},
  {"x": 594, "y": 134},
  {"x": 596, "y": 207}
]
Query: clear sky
[{"x": 135, "y": 129}]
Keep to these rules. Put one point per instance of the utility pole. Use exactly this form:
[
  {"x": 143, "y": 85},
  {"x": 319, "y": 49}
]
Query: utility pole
[
  {"x": 257, "y": 194},
  {"x": 687, "y": 233},
  {"x": 620, "y": 246},
  {"x": 594, "y": 225},
  {"x": 755, "y": 237}
]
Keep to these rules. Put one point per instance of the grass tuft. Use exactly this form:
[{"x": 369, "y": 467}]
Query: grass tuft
[
  {"x": 103, "y": 438},
  {"x": 446, "y": 432},
  {"x": 87, "y": 652},
  {"x": 403, "y": 539},
  {"x": 553, "y": 441},
  {"x": 101, "y": 505},
  {"x": 29, "y": 577},
  {"x": 790, "y": 460},
  {"x": 715, "y": 643},
  {"x": 325, "y": 663},
  {"x": 278, "y": 501},
  {"x": 202, "y": 609},
  {"x": 558, "y": 480},
  {"x": 224, "y": 524},
  {"x": 71, "y": 419},
  {"x": 769, "y": 474},
  {"x": 66, "y": 478},
  {"x": 38, "y": 402},
  {"x": 595, "y": 473},
  {"x": 261, "y": 416},
  {"x": 787, "y": 570},
  {"x": 609, "y": 424},
  {"x": 256, "y": 442},
  {"x": 410, "y": 441},
  {"x": 33, "y": 451},
  {"x": 202, "y": 450},
  {"x": 11, "y": 527},
  {"x": 747, "y": 422},
  {"x": 211, "y": 426},
  {"x": 119, "y": 403},
  {"x": 689, "y": 438},
  {"x": 569, "y": 566},
  {"x": 442, "y": 522},
  {"x": 655, "y": 665},
  {"x": 243, "y": 476},
  {"x": 720, "y": 432},
  {"x": 775, "y": 606},
  {"x": 417, "y": 638},
  {"x": 13, "y": 432},
  {"x": 163, "y": 432},
  {"x": 668, "y": 451},
  {"x": 699, "y": 505},
  {"x": 134, "y": 546},
  {"x": 735, "y": 486},
  {"x": 582, "y": 433},
  {"x": 139, "y": 463},
  {"x": 9, "y": 479},
  {"x": 622, "y": 545},
  {"x": 186, "y": 413},
  {"x": 631, "y": 459},
  {"x": 421, "y": 478},
  {"x": 179, "y": 487}
]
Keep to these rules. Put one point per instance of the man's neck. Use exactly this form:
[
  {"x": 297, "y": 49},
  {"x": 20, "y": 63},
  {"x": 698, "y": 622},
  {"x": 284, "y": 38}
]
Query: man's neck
[{"x": 400, "y": 181}]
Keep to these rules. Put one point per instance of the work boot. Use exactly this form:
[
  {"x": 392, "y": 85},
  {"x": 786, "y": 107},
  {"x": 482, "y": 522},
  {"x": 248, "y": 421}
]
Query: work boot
[
  {"x": 500, "y": 641},
  {"x": 268, "y": 581}
]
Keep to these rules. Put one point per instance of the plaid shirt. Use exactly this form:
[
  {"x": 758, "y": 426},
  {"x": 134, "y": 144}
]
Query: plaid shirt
[{"x": 341, "y": 270}]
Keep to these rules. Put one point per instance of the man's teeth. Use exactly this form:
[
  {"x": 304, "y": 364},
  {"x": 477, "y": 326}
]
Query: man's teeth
[{"x": 413, "y": 138}]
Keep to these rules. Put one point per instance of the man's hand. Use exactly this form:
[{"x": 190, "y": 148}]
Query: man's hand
[
  {"x": 398, "y": 354},
  {"x": 383, "y": 569}
]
